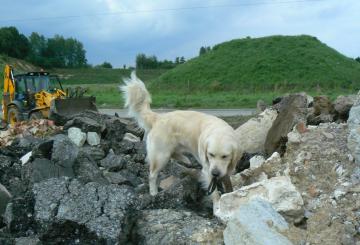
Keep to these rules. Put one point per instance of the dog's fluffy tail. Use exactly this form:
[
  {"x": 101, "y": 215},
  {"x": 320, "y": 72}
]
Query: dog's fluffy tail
[{"x": 137, "y": 100}]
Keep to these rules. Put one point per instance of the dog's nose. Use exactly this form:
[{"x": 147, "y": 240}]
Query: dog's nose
[{"x": 215, "y": 172}]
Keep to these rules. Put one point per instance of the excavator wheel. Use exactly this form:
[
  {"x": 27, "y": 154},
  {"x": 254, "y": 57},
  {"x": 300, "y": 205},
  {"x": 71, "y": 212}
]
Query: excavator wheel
[
  {"x": 13, "y": 115},
  {"x": 36, "y": 115}
]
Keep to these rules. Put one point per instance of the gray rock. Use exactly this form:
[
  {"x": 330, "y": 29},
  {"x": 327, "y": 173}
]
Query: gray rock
[
  {"x": 323, "y": 111},
  {"x": 256, "y": 223},
  {"x": 132, "y": 127},
  {"x": 64, "y": 152},
  {"x": 18, "y": 216},
  {"x": 113, "y": 161},
  {"x": 5, "y": 197},
  {"x": 104, "y": 212},
  {"x": 322, "y": 118},
  {"x": 93, "y": 138},
  {"x": 292, "y": 111},
  {"x": 86, "y": 169},
  {"x": 165, "y": 226},
  {"x": 85, "y": 124},
  {"x": 136, "y": 168},
  {"x": 10, "y": 173},
  {"x": 77, "y": 136},
  {"x": 114, "y": 133},
  {"x": 165, "y": 184},
  {"x": 123, "y": 177},
  {"x": 42, "y": 169},
  {"x": 353, "y": 141},
  {"x": 95, "y": 152},
  {"x": 139, "y": 154},
  {"x": 27, "y": 241},
  {"x": 22, "y": 145},
  {"x": 354, "y": 116},
  {"x": 279, "y": 191},
  {"x": 116, "y": 178},
  {"x": 252, "y": 134},
  {"x": 342, "y": 106},
  {"x": 132, "y": 178},
  {"x": 44, "y": 149},
  {"x": 52, "y": 158},
  {"x": 123, "y": 147},
  {"x": 132, "y": 138},
  {"x": 256, "y": 161},
  {"x": 185, "y": 193},
  {"x": 323, "y": 105}
]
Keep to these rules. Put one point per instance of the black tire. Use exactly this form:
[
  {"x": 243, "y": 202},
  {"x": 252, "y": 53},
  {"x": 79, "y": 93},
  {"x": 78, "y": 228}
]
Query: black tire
[
  {"x": 36, "y": 115},
  {"x": 13, "y": 115}
]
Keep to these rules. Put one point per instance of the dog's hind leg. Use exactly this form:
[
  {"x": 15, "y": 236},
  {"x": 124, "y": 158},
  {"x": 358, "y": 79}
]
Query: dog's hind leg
[{"x": 157, "y": 162}]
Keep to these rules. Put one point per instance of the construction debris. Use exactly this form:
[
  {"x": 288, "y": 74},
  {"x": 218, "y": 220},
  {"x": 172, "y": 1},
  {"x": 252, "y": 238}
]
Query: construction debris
[
  {"x": 38, "y": 128},
  {"x": 96, "y": 191}
]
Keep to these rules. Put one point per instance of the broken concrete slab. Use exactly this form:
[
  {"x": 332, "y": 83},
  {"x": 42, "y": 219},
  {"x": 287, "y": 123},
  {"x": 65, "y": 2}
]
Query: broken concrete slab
[
  {"x": 103, "y": 212},
  {"x": 41, "y": 169},
  {"x": 252, "y": 134},
  {"x": 166, "y": 226},
  {"x": 293, "y": 111},
  {"x": 255, "y": 223},
  {"x": 279, "y": 191}
]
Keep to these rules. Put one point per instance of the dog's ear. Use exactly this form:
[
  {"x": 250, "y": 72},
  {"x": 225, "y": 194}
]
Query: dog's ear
[
  {"x": 236, "y": 156},
  {"x": 202, "y": 149}
]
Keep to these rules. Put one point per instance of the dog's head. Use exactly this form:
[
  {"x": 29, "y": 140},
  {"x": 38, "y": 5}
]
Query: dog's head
[{"x": 220, "y": 152}]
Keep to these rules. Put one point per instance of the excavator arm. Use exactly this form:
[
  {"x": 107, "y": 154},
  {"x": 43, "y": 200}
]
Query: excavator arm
[{"x": 9, "y": 90}]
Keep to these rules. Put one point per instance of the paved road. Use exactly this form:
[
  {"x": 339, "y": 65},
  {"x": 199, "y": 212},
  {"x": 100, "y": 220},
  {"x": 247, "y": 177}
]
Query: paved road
[{"x": 215, "y": 112}]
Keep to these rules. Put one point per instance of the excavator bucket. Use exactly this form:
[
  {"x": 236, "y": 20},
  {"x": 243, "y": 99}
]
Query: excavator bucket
[{"x": 63, "y": 109}]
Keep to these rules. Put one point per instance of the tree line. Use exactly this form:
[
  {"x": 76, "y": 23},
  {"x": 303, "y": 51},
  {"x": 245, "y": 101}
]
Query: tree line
[
  {"x": 151, "y": 62},
  {"x": 45, "y": 52}
]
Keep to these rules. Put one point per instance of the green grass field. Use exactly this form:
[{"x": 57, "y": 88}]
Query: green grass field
[{"x": 108, "y": 96}]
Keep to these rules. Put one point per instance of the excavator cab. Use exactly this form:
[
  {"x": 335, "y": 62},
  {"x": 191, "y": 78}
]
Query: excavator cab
[{"x": 36, "y": 95}]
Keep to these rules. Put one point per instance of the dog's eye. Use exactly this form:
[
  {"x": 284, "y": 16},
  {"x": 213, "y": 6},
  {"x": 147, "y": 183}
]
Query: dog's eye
[
  {"x": 212, "y": 155},
  {"x": 224, "y": 156}
]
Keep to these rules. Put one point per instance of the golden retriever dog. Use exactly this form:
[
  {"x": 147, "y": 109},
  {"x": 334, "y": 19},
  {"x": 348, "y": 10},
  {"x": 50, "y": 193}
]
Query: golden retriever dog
[{"x": 169, "y": 135}]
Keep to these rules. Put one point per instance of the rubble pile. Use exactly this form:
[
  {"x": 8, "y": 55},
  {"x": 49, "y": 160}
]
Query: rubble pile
[
  {"x": 86, "y": 182},
  {"x": 37, "y": 128}
]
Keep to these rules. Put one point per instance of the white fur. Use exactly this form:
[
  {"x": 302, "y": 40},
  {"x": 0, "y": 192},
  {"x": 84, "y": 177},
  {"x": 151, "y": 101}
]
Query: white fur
[{"x": 208, "y": 138}]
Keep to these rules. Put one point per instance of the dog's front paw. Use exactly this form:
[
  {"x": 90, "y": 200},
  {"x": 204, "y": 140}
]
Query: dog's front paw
[{"x": 153, "y": 191}]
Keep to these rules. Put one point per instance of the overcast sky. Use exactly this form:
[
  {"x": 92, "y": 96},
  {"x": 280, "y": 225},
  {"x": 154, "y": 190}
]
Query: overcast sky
[{"x": 117, "y": 30}]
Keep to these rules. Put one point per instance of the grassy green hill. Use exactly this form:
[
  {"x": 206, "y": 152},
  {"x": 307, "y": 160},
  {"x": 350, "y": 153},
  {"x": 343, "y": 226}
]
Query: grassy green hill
[{"x": 269, "y": 64}]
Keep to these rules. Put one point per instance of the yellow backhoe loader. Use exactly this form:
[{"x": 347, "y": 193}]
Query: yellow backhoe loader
[{"x": 36, "y": 95}]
